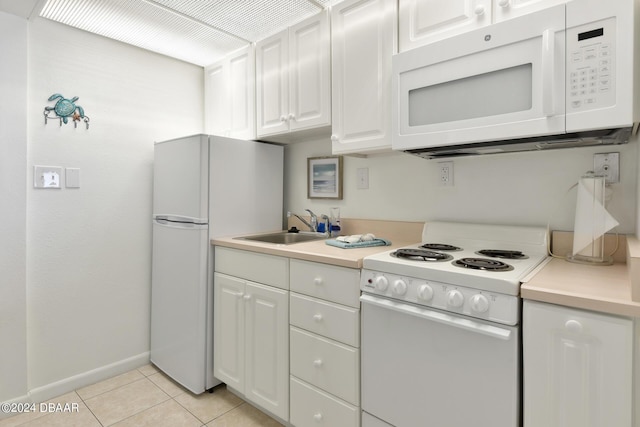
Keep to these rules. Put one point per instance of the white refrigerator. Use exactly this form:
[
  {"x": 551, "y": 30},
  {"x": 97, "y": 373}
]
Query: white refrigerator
[{"x": 204, "y": 187}]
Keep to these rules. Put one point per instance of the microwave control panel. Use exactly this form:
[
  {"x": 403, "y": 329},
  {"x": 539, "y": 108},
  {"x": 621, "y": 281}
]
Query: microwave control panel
[{"x": 590, "y": 66}]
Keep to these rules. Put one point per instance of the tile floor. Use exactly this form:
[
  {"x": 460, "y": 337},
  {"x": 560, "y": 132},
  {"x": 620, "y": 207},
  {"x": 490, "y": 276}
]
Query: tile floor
[{"x": 144, "y": 397}]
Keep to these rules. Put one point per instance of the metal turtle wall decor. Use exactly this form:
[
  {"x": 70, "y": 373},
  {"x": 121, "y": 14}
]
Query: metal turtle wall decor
[{"x": 65, "y": 109}]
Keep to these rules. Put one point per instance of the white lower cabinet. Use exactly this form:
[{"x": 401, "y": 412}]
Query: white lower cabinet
[
  {"x": 311, "y": 407},
  {"x": 251, "y": 329},
  {"x": 324, "y": 345},
  {"x": 578, "y": 367}
]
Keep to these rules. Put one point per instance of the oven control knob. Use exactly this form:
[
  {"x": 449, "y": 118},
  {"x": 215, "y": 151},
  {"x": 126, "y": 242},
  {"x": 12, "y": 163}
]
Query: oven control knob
[
  {"x": 399, "y": 287},
  {"x": 455, "y": 298},
  {"x": 479, "y": 303},
  {"x": 425, "y": 293},
  {"x": 381, "y": 283}
]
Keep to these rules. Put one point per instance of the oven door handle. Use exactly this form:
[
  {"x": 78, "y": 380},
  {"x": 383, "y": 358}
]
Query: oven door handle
[{"x": 436, "y": 316}]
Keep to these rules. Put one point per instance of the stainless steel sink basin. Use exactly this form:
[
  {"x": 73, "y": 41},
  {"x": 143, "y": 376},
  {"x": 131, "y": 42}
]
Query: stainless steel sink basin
[{"x": 284, "y": 237}]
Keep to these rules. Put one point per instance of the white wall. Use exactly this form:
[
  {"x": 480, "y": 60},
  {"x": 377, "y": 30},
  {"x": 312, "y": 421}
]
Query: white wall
[
  {"x": 638, "y": 196},
  {"x": 13, "y": 206},
  {"x": 89, "y": 249},
  {"x": 516, "y": 188}
]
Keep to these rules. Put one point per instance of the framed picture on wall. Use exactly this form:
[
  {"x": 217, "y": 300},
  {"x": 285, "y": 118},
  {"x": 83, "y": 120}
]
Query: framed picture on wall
[{"x": 324, "y": 177}]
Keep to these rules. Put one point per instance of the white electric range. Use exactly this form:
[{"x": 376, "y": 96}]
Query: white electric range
[{"x": 440, "y": 326}]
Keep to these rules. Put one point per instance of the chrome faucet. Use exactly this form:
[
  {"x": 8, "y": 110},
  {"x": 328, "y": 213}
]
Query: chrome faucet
[{"x": 314, "y": 220}]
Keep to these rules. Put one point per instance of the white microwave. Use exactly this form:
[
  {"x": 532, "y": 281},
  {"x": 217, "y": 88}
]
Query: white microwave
[{"x": 559, "y": 77}]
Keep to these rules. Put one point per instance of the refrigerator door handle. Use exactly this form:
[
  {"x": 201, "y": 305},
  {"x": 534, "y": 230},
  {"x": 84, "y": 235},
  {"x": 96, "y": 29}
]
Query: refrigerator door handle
[
  {"x": 179, "y": 221},
  {"x": 163, "y": 219}
]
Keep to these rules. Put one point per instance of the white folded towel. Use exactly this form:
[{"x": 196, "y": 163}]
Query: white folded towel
[{"x": 355, "y": 238}]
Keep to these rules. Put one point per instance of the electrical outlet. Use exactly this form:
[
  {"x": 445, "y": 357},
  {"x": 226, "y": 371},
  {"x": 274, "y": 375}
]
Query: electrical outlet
[
  {"x": 47, "y": 176},
  {"x": 607, "y": 165},
  {"x": 446, "y": 173}
]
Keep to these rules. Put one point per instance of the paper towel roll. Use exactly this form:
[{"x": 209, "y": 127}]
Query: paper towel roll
[{"x": 592, "y": 220}]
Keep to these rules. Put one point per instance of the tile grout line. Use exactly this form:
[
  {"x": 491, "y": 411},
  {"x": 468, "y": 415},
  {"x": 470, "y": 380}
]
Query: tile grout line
[
  {"x": 204, "y": 423},
  {"x": 88, "y": 408},
  {"x": 144, "y": 377}
]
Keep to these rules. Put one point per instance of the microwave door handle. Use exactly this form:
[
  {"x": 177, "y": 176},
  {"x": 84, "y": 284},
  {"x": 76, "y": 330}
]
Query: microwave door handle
[{"x": 548, "y": 66}]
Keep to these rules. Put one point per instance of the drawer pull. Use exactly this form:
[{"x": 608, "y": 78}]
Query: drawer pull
[
  {"x": 317, "y": 281},
  {"x": 247, "y": 297},
  {"x": 317, "y": 362},
  {"x": 317, "y": 416},
  {"x": 317, "y": 317},
  {"x": 573, "y": 326}
]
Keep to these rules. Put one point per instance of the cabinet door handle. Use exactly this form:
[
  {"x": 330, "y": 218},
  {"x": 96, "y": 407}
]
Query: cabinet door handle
[
  {"x": 317, "y": 362},
  {"x": 573, "y": 326},
  {"x": 317, "y": 416},
  {"x": 503, "y": 3},
  {"x": 317, "y": 317},
  {"x": 247, "y": 297},
  {"x": 479, "y": 10},
  {"x": 283, "y": 118},
  {"x": 317, "y": 281},
  {"x": 334, "y": 138},
  {"x": 292, "y": 116}
]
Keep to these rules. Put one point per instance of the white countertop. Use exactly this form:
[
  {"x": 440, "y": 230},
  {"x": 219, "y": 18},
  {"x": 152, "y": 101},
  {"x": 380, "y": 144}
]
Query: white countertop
[{"x": 605, "y": 289}]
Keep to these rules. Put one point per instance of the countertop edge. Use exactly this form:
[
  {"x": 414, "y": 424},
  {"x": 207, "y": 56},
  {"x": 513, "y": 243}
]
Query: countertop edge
[
  {"x": 316, "y": 251},
  {"x": 601, "y": 289}
]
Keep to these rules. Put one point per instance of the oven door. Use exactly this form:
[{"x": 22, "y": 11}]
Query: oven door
[
  {"x": 422, "y": 367},
  {"x": 500, "y": 82}
]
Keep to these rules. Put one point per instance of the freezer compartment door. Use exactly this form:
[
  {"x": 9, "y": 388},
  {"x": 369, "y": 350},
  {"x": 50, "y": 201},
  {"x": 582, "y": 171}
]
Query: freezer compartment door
[
  {"x": 179, "y": 302},
  {"x": 181, "y": 177}
]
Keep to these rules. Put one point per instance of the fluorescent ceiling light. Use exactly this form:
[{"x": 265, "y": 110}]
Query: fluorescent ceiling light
[{"x": 195, "y": 31}]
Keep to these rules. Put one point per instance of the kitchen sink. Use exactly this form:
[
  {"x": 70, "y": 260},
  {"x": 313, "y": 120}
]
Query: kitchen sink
[{"x": 284, "y": 237}]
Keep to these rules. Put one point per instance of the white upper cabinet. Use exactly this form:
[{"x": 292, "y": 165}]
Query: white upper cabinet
[
  {"x": 507, "y": 9},
  {"x": 293, "y": 78},
  {"x": 363, "y": 40},
  {"x": 230, "y": 95},
  {"x": 425, "y": 21}
]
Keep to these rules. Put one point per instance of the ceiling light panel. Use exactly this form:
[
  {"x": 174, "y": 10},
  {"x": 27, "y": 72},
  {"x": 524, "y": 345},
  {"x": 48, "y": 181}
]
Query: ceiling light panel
[
  {"x": 251, "y": 20},
  {"x": 143, "y": 24}
]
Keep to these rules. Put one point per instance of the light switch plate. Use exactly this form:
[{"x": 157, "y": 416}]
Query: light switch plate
[
  {"x": 47, "y": 177},
  {"x": 363, "y": 178},
  {"x": 72, "y": 177}
]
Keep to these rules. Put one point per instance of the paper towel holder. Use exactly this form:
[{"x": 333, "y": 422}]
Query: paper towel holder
[{"x": 592, "y": 221}]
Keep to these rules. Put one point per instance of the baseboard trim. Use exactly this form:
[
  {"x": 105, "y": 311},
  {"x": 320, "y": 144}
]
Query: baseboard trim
[{"x": 49, "y": 391}]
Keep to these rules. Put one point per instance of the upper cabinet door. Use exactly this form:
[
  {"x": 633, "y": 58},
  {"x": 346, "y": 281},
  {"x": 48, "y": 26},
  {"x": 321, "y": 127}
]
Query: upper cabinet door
[
  {"x": 272, "y": 84},
  {"x": 229, "y": 100},
  {"x": 216, "y": 98},
  {"x": 425, "y": 21},
  {"x": 242, "y": 94},
  {"x": 362, "y": 44},
  {"x": 309, "y": 73},
  {"x": 507, "y": 9}
]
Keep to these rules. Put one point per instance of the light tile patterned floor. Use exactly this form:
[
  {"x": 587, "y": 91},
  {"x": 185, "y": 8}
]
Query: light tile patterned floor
[{"x": 145, "y": 397}]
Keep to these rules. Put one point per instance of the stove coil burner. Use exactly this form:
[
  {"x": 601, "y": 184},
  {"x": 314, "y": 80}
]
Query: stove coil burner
[
  {"x": 482, "y": 264},
  {"x": 501, "y": 253},
  {"x": 440, "y": 247},
  {"x": 421, "y": 255}
]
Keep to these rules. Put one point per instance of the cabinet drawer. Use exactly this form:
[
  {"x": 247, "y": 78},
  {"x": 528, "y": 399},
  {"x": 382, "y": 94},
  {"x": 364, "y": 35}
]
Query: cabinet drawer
[
  {"x": 311, "y": 407},
  {"x": 256, "y": 267},
  {"x": 338, "y": 322},
  {"x": 326, "y": 364},
  {"x": 337, "y": 284}
]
